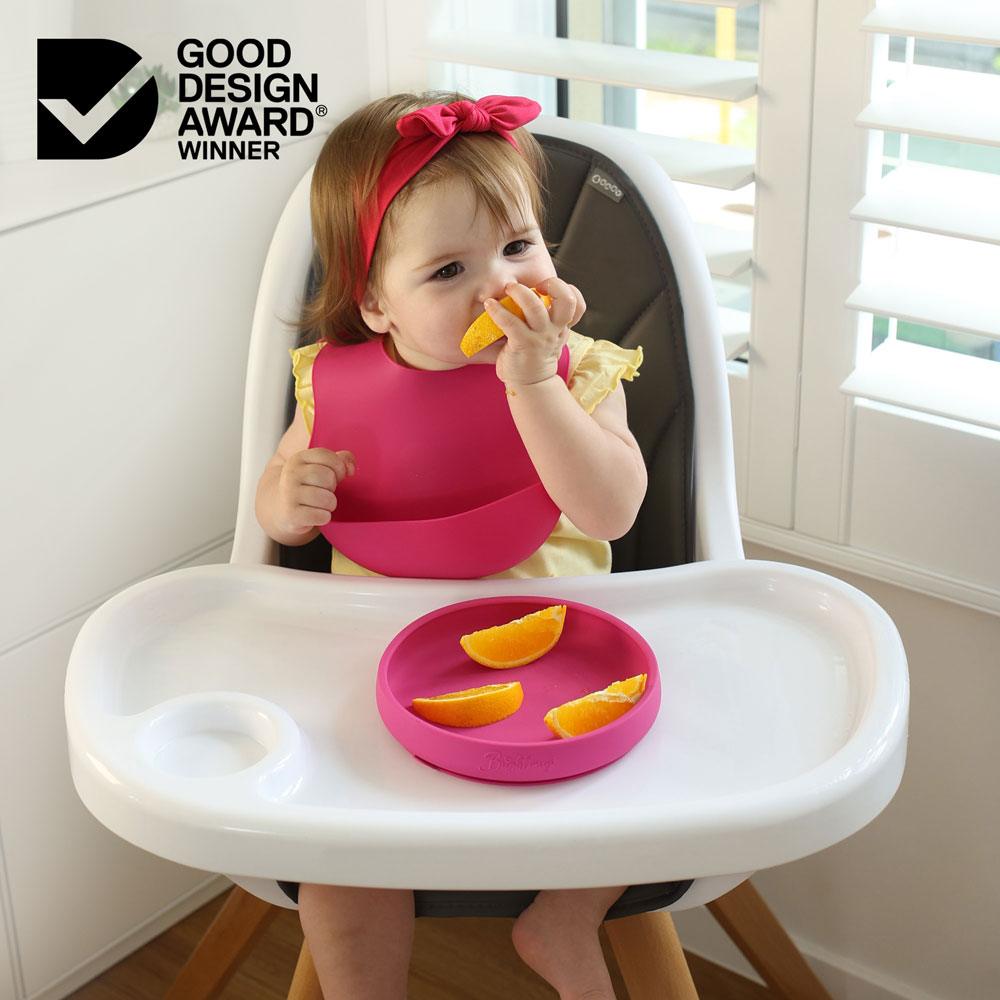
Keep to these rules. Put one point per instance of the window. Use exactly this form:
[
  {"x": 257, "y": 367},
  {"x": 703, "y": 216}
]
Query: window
[
  {"x": 927, "y": 281},
  {"x": 716, "y": 144},
  {"x": 898, "y": 465},
  {"x": 706, "y": 145},
  {"x": 853, "y": 248}
]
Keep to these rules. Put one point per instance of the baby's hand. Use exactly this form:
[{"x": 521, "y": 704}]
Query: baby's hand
[
  {"x": 531, "y": 353},
  {"x": 306, "y": 486}
]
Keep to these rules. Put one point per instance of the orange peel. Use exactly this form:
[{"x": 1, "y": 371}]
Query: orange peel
[
  {"x": 484, "y": 331},
  {"x": 583, "y": 715},
  {"x": 518, "y": 642},
  {"x": 478, "y": 706}
]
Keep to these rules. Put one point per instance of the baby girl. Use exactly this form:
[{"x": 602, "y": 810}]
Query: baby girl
[{"x": 424, "y": 215}]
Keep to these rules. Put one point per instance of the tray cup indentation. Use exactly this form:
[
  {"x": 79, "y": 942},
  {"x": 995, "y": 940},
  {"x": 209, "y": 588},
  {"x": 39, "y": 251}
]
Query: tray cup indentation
[{"x": 210, "y": 735}]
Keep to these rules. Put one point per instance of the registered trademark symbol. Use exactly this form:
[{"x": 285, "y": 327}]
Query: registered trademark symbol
[{"x": 321, "y": 110}]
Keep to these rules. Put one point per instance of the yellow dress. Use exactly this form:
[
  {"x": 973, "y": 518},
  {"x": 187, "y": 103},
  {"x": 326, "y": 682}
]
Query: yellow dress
[{"x": 595, "y": 369}]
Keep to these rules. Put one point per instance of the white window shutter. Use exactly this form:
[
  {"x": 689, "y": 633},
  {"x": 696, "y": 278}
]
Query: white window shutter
[
  {"x": 897, "y": 448},
  {"x": 599, "y": 62},
  {"x": 972, "y": 21},
  {"x": 952, "y": 286}
]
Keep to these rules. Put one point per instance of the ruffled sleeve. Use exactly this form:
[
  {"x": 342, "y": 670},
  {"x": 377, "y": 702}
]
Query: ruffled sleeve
[
  {"x": 597, "y": 367},
  {"x": 302, "y": 364}
]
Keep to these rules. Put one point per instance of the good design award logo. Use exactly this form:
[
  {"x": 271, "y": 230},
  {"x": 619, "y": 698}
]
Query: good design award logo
[
  {"x": 229, "y": 115},
  {"x": 76, "y": 118}
]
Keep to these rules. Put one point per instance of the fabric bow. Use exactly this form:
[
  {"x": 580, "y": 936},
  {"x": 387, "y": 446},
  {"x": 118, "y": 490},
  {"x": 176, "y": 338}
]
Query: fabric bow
[{"x": 494, "y": 113}]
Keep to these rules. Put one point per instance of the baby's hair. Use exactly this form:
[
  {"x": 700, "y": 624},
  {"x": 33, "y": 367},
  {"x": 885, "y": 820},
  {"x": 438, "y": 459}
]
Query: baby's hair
[{"x": 344, "y": 179}]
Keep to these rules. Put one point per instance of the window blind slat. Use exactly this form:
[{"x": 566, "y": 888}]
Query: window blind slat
[
  {"x": 942, "y": 383},
  {"x": 947, "y": 300},
  {"x": 935, "y": 199},
  {"x": 735, "y": 326},
  {"x": 615, "y": 65},
  {"x": 975, "y": 21},
  {"x": 942, "y": 104},
  {"x": 728, "y": 251},
  {"x": 710, "y": 164},
  {"x": 720, "y": 3}
]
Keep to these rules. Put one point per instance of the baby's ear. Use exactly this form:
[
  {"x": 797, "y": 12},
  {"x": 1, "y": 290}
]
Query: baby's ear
[{"x": 372, "y": 312}]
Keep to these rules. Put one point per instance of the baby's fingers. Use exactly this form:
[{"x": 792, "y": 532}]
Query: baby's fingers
[
  {"x": 341, "y": 463},
  {"x": 512, "y": 326},
  {"x": 568, "y": 306},
  {"x": 580, "y": 307},
  {"x": 350, "y": 465},
  {"x": 305, "y": 518},
  {"x": 312, "y": 517},
  {"x": 535, "y": 314},
  {"x": 316, "y": 496},
  {"x": 562, "y": 312}
]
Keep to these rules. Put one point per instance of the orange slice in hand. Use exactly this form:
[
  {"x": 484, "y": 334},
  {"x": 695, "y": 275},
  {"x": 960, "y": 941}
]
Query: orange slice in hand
[
  {"x": 595, "y": 710},
  {"x": 472, "y": 707},
  {"x": 484, "y": 331},
  {"x": 518, "y": 642}
]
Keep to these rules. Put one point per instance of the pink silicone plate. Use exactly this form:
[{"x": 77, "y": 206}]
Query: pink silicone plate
[{"x": 595, "y": 649}]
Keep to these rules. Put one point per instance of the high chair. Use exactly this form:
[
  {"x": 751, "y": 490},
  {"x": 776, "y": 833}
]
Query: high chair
[{"x": 224, "y": 717}]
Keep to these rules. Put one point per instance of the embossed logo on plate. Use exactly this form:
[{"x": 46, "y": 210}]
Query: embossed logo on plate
[{"x": 495, "y": 762}]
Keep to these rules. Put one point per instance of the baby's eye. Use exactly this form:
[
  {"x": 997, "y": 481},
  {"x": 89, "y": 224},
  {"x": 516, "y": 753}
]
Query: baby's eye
[
  {"x": 526, "y": 244},
  {"x": 441, "y": 276}
]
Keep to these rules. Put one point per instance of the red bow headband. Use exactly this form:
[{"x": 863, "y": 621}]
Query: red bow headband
[{"x": 424, "y": 132}]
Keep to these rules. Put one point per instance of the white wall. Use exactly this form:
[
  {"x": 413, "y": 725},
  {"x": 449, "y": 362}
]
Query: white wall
[{"x": 912, "y": 901}]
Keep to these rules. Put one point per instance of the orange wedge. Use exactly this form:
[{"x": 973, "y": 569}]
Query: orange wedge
[
  {"x": 518, "y": 642},
  {"x": 484, "y": 331},
  {"x": 595, "y": 710},
  {"x": 472, "y": 707}
]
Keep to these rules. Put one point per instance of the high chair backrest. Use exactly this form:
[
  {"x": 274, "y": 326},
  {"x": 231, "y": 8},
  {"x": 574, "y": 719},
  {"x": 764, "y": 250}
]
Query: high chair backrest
[{"x": 625, "y": 239}]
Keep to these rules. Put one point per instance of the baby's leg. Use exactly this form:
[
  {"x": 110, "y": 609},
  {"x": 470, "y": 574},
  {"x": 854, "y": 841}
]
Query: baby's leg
[
  {"x": 360, "y": 940},
  {"x": 557, "y": 937}
]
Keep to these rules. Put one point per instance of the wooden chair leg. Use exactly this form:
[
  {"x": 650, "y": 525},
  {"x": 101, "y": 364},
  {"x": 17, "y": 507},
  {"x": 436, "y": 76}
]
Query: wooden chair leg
[
  {"x": 228, "y": 940},
  {"x": 305, "y": 982},
  {"x": 755, "y": 930},
  {"x": 650, "y": 957}
]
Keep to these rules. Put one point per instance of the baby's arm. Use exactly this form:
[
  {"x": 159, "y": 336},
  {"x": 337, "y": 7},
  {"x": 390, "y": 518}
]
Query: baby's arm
[
  {"x": 296, "y": 492},
  {"x": 590, "y": 465}
]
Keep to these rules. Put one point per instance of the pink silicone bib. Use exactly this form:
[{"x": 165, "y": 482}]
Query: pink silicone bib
[{"x": 444, "y": 485}]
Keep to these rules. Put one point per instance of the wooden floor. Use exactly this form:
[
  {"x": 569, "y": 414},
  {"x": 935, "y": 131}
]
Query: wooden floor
[{"x": 453, "y": 959}]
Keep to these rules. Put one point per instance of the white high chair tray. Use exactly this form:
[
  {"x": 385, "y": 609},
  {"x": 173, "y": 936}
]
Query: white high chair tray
[{"x": 224, "y": 717}]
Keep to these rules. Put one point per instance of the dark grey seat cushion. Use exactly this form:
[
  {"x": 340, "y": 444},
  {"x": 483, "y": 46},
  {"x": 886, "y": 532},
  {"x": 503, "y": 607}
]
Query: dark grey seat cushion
[{"x": 503, "y": 903}]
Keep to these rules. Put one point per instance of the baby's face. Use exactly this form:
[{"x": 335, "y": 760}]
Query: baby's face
[{"x": 446, "y": 261}]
